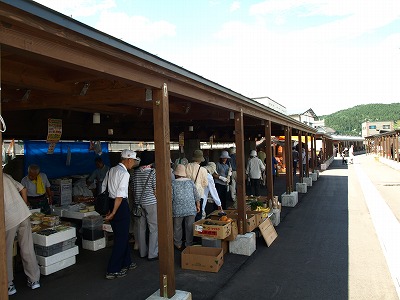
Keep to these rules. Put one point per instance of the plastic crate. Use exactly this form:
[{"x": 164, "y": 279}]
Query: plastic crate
[{"x": 54, "y": 249}]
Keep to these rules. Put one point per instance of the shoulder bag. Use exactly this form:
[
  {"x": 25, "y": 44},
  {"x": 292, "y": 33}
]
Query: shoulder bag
[
  {"x": 102, "y": 203},
  {"x": 137, "y": 207}
]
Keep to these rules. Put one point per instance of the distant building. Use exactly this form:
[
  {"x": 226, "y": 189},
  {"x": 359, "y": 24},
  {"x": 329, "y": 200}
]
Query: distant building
[
  {"x": 309, "y": 118},
  {"x": 268, "y": 102},
  {"x": 372, "y": 128}
]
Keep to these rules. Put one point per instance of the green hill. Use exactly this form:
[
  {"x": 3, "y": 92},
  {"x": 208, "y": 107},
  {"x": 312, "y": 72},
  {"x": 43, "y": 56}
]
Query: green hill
[{"x": 348, "y": 121}]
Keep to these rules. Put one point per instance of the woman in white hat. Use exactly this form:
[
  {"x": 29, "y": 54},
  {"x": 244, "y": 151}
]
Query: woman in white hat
[
  {"x": 221, "y": 177},
  {"x": 211, "y": 189},
  {"x": 185, "y": 206},
  {"x": 254, "y": 170}
]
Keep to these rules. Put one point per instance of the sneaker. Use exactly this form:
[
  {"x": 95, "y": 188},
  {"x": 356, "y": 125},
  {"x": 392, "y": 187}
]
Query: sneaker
[
  {"x": 11, "y": 289},
  {"x": 33, "y": 285},
  {"x": 132, "y": 266},
  {"x": 120, "y": 274}
]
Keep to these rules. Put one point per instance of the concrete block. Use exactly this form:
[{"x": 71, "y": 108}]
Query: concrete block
[
  {"x": 314, "y": 176},
  {"x": 323, "y": 167},
  {"x": 290, "y": 199},
  {"x": 301, "y": 187},
  {"x": 179, "y": 295},
  {"x": 243, "y": 244},
  {"x": 317, "y": 171},
  {"x": 307, "y": 181}
]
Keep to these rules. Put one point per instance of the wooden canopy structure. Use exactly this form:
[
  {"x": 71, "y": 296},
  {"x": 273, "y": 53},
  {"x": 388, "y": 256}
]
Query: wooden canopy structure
[{"x": 55, "y": 67}]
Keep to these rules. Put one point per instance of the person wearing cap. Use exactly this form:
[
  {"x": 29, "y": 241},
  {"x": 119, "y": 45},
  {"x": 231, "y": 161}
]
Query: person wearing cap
[
  {"x": 144, "y": 194},
  {"x": 254, "y": 169},
  {"x": 232, "y": 163},
  {"x": 198, "y": 174},
  {"x": 185, "y": 206},
  {"x": 117, "y": 182},
  {"x": 221, "y": 178},
  {"x": 210, "y": 189}
]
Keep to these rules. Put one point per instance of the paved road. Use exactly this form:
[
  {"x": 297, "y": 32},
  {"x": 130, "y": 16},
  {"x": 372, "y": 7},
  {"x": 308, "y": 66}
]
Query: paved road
[{"x": 327, "y": 248}]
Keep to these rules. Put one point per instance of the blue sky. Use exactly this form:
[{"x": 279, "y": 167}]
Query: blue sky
[{"x": 326, "y": 55}]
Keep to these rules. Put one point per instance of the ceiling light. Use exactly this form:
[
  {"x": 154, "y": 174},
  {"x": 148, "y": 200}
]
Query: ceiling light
[{"x": 96, "y": 118}]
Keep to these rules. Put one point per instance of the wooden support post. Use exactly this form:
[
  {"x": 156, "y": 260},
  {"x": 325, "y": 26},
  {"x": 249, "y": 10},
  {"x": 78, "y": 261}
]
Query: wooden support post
[
  {"x": 3, "y": 257},
  {"x": 288, "y": 160},
  {"x": 307, "y": 156},
  {"x": 397, "y": 147},
  {"x": 164, "y": 192},
  {"x": 314, "y": 154},
  {"x": 301, "y": 171},
  {"x": 269, "y": 171},
  {"x": 240, "y": 167}
]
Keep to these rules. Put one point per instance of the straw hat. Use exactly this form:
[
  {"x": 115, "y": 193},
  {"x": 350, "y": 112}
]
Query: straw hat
[
  {"x": 180, "y": 170},
  {"x": 211, "y": 168}
]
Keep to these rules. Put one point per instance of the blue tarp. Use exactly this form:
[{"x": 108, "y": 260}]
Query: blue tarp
[{"x": 55, "y": 165}]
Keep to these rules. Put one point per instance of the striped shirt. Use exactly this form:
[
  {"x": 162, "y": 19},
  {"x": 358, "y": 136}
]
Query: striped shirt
[{"x": 138, "y": 181}]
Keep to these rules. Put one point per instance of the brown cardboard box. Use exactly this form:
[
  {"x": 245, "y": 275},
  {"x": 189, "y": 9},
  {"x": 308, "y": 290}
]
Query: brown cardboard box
[
  {"x": 251, "y": 222},
  {"x": 234, "y": 232},
  {"x": 268, "y": 231},
  {"x": 217, "y": 230},
  {"x": 202, "y": 259},
  {"x": 225, "y": 246}
]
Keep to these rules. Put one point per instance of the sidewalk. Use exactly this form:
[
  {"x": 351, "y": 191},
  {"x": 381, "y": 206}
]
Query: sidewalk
[{"x": 326, "y": 248}]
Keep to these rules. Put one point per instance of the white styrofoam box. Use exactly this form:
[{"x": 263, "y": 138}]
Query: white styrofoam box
[
  {"x": 290, "y": 199},
  {"x": 66, "y": 213},
  {"x": 35, "y": 210},
  {"x": 49, "y": 260},
  {"x": 94, "y": 245},
  {"x": 314, "y": 176},
  {"x": 276, "y": 216},
  {"x": 301, "y": 187},
  {"x": 54, "y": 238},
  {"x": 308, "y": 181},
  {"x": 58, "y": 266},
  {"x": 243, "y": 244}
]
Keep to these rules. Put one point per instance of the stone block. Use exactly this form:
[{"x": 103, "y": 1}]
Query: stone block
[
  {"x": 276, "y": 216},
  {"x": 307, "y": 181},
  {"x": 290, "y": 199},
  {"x": 323, "y": 167},
  {"x": 179, "y": 295},
  {"x": 314, "y": 176},
  {"x": 243, "y": 244},
  {"x": 301, "y": 187}
]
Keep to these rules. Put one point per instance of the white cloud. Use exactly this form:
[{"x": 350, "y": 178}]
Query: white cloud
[
  {"x": 134, "y": 29},
  {"x": 79, "y": 8},
  {"x": 234, "y": 6}
]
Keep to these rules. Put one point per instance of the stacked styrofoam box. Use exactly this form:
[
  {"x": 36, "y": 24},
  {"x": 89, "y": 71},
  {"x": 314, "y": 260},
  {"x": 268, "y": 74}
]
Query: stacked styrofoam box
[
  {"x": 62, "y": 191},
  {"x": 57, "y": 250},
  {"x": 93, "y": 234}
]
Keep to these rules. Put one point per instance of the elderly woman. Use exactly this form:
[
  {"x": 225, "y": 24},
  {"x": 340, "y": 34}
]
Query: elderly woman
[
  {"x": 185, "y": 206},
  {"x": 211, "y": 189},
  {"x": 38, "y": 188}
]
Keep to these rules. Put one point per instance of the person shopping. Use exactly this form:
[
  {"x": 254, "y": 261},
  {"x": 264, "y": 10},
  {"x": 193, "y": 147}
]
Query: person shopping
[
  {"x": 185, "y": 206},
  {"x": 117, "y": 182}
]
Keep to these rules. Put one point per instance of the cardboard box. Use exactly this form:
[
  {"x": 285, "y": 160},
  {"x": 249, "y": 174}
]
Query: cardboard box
[
  {"x": 225, "y": 246},
  {"x": 202, "y": 259},
  {"x": 234, "y": 232},
  {"x": 251, "y": 221},
  {"x": 268, "y": 231},
  {"x": 259, "y": 218},
  {"x": 217, "y": 230}
]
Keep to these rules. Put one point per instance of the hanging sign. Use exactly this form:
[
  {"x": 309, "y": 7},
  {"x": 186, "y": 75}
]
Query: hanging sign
[{"x": 53, "y": 133}]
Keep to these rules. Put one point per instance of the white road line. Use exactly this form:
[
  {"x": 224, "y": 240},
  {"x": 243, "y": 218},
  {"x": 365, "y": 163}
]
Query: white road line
[{"x": 386, "y": 225}]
